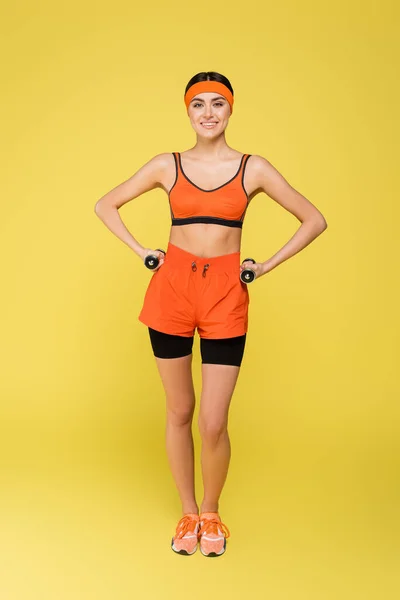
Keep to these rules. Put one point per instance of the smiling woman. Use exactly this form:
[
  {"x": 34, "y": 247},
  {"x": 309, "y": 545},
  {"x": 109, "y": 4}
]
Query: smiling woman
[{"x": 197, "y": 285}]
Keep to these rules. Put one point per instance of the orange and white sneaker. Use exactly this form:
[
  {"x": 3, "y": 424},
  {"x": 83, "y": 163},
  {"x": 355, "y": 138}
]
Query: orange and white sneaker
[
  {"x": 212, "y": 534},
  {"x": 185, "y": 539}
]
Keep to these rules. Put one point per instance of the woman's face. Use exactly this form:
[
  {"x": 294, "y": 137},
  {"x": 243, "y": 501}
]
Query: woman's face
[{"x": 209, "y": 114}]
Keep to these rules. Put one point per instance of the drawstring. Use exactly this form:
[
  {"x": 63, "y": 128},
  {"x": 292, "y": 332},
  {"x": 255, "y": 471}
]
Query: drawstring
[
  {"x": 206, "y": 266},
  {"x": 205, "y": 269}
]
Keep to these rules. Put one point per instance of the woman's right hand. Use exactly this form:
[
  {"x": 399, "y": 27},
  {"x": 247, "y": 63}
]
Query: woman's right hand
[{"x": 160, "y": 255}]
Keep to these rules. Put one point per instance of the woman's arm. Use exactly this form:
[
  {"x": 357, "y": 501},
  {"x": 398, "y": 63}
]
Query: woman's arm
[
  {"x": 270, "y": 181},
  {"x": 148, "y": 177}
]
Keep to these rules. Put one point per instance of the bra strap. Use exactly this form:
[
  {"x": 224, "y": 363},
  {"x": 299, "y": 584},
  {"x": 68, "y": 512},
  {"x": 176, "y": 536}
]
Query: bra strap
[
  {"x": 177, "y": 162},
  {"x": 244, "y": 163}
]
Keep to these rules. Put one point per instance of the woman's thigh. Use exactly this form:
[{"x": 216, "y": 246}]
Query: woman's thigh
[
  {"x": 173, "y": 355},
  {"x": 218, "y": 386},
  {"x": 225, "y": 351},
  {"x": 221, "y": 360}
]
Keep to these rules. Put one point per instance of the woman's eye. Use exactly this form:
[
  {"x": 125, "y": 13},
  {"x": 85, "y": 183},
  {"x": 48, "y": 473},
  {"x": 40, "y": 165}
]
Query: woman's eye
[{"x": 198, "y": 104}]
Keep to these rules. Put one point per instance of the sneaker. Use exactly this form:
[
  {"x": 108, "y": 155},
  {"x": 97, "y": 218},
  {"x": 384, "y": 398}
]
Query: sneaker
[
  {"x": 212, "y": 534},
  {"x": 186, "y": 536}
]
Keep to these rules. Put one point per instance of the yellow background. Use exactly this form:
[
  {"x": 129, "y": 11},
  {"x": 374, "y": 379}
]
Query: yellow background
[{"x": 91, "y": 91}]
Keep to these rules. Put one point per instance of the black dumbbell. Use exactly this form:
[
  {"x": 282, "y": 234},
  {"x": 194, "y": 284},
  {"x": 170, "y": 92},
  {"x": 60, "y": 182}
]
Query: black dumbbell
[
  {"x": 151, "y": 261},
  {"x": 248, "y": 275}
]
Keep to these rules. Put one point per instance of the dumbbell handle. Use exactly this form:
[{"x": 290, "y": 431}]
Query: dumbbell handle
[
  {"x": 248, "y": 275},
  {"x": 152, "y": 261}
]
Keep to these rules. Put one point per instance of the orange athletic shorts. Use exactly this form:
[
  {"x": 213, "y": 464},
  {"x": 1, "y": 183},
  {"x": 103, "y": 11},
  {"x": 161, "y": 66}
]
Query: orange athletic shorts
[{"x": 190, "y": 291}]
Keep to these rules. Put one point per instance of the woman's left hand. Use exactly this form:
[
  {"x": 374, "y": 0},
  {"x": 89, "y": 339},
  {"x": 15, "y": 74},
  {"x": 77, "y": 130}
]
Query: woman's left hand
[{"x": 258, "y": 268}]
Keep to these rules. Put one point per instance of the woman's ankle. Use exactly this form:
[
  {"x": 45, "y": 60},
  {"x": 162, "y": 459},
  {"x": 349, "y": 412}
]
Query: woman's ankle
[
  {"x": 190, "y": 509},
  {"x": 210, "y": 507}
]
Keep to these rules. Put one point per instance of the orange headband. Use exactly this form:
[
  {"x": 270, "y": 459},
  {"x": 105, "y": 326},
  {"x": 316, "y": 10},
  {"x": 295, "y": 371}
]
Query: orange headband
[{"x": 208, "y": 86}]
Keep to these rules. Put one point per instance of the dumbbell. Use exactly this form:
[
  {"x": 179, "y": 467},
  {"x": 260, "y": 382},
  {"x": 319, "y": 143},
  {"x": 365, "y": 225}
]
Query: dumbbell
[
  {"x": 248, "y": 275},
  {"x": 151, "y": 261}
]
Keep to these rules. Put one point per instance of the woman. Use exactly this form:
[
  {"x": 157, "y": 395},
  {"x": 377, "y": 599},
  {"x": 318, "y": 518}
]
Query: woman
[{"x": 197, "y": 285}]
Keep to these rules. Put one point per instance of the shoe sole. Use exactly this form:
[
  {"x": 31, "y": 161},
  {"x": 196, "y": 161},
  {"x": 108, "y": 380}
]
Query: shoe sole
[{"x": 182, "y": 552}]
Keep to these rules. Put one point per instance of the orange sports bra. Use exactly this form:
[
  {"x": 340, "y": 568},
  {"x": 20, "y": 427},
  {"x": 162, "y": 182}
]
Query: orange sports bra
[{"x": 223, "y": 205}]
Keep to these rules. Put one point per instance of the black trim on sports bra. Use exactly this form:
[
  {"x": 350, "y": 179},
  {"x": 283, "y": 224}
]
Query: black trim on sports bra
[
  {"x": 173, "y": 185},
  {"x": 243, "y": 172},
  {"x": 244, "y": 189},
  {"x": 212, "y": 220},
  {"x": 176, "y": 173},
  {"x": 214, "y": 189}
]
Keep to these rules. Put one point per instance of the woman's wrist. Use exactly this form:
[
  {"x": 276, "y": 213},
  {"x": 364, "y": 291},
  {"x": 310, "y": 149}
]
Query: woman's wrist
[
  {"x": 140, "y": 251},
  {"x": 266, "y": 267}
]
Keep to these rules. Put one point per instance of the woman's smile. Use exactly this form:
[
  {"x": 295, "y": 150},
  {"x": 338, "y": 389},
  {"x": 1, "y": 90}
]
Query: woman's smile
[{"x": 210, "y": 124}]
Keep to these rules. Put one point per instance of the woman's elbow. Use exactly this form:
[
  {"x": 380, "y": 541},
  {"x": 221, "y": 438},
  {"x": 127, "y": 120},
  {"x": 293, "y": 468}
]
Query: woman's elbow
[
  {"x": 99, "y": 206},
  {"x": 320, "y": 221},
  {"x": 323, "y": 223}
]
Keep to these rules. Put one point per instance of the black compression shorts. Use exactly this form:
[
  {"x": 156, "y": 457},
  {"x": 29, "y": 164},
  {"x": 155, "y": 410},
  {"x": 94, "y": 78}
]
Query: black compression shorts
[{"x": 226, "y": 351}]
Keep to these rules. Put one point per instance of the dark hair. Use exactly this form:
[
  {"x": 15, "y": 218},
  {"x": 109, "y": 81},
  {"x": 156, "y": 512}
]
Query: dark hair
[{"x": 209, "y": 76}]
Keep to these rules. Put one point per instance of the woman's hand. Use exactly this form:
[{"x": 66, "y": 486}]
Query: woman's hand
[
  {"x": 258, "y": 268},
  {"x": 160, "y": 255}
]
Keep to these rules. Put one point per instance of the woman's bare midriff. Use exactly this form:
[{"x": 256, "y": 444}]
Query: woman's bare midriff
[{"x": 206, "y": 240}]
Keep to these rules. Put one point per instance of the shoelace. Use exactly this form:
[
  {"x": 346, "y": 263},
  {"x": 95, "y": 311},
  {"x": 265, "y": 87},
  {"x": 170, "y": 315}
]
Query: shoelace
[
  {"x": 186, "y": 524},
  {"x": 212, "y": 525}
]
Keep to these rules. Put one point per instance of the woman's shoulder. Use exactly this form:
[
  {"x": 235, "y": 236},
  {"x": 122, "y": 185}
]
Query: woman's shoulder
[
  {"x": 163, "y": 159},
  {"x": 161, "y": 163}
]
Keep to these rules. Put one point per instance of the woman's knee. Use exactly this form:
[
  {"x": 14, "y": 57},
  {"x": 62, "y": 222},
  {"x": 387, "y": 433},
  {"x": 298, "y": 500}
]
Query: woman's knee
[
  {"x": 212, "y": 429},
  {"x": 180, "y": 414}
]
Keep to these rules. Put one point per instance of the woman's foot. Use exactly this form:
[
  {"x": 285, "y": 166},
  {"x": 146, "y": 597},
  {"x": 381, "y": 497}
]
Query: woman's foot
[
  {"x": 212, "y": 534},
  {"x": 186, "y": 535}
]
